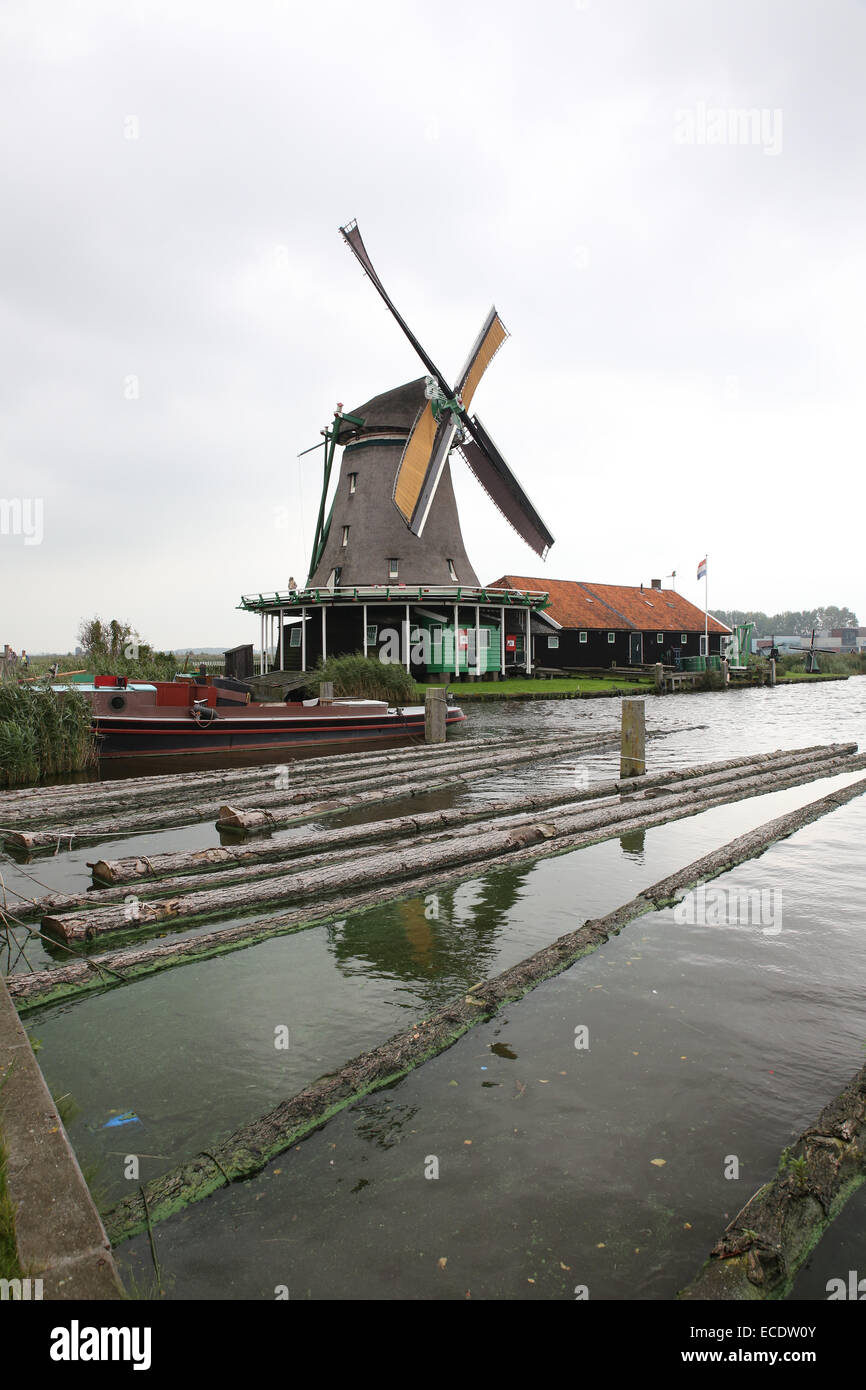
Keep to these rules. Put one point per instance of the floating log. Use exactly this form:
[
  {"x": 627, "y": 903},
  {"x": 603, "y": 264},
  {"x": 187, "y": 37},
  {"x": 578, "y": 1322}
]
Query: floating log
[
  {"x": 478, "y": 845},
  {"x": 300, "y": 841},
  {"x": 766, "y": 1244},
  {"x": 248, "y": 1150}
]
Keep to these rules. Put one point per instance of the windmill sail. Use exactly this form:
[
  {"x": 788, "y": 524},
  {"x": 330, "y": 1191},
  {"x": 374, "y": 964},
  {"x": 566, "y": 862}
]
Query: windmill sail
[
  {"x": 352, "y": 238},
  {"x": 484, "y": 349},
  {"x": 502, "y": 487},
  {"x": 429, "y": 444}
]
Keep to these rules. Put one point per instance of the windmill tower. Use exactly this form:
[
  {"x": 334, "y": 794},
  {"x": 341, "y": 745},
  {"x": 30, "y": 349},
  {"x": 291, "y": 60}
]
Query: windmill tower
[{"x": 392, "y": 535}]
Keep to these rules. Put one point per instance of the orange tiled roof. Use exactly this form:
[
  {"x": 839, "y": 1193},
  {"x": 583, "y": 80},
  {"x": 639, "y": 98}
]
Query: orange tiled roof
[{"x": 614, "y": 606}]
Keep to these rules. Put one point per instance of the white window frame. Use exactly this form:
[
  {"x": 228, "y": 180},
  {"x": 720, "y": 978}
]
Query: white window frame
[
  {"x": 660, "y": 638},
  {"x": 684, "y": 637},
  {"x": 393, "y": 566},
  {"x": 452, "y": 571},
  {"x": 353, "y": 483},
  {"x": 611, "y": 637},
  {"x": 372, "y": 634},
  {"x": 295, "y": 636},
  {"x": 552, "y": 643},
  {"x": 345, "y": 535}
]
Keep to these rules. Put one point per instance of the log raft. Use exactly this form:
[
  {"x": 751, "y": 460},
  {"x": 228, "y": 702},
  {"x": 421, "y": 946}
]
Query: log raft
[
  {"x": 47, "y": 985},
  {"x": 286, "y": 844},
  {"x": 478, "y": 844},
  {"x": 288, "y": 807}
]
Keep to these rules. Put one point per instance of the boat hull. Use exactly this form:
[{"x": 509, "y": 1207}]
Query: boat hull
[{"x": 176, "y": 735}]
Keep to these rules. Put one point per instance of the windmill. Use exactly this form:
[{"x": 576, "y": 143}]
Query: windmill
[{"x": 395, "y": 517}]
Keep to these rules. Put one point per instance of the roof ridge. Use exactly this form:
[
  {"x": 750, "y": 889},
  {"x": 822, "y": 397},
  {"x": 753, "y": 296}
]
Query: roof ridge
[{"x": 597, "y": 598}]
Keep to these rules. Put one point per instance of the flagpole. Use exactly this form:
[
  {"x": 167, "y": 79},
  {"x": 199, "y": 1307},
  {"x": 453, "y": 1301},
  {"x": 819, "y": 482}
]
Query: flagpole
[{"x": 706, "y": 613}]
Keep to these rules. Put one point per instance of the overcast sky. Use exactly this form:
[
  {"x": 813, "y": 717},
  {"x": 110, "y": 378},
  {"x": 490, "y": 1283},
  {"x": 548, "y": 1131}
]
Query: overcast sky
[{"x": 685, "y": 293}]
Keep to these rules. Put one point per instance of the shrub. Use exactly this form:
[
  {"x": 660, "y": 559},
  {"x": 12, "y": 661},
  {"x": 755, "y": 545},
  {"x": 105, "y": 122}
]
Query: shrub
[{"x": 365, "y": 677}]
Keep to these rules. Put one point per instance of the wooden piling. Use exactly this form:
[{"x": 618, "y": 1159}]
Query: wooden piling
[
  {"x": 326, "y": 692},
  {"x": 632, "y": 760},
  {"x": 434, "y": 715}
]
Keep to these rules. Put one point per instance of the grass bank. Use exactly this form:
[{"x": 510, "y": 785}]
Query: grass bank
[{"x": 565, "y": 688}]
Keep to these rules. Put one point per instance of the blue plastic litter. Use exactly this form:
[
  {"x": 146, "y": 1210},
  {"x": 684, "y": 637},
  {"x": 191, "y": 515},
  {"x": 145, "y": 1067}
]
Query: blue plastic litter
[{"x": 130, "y": 1118}]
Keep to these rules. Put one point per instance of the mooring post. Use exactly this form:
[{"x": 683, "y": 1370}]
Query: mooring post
[
  {"x": 632, "y": 753},
  {"x": 326, "y": 692},
  {"x": 434, "y": 715},
  {"x": 660, "y": 678},
  {"x": 726, "y": 671},
  {"x": 772, "y": 679}
]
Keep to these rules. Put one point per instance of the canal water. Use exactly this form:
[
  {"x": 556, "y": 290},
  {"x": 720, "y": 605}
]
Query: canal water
[{"x": 516, "y": 1164}]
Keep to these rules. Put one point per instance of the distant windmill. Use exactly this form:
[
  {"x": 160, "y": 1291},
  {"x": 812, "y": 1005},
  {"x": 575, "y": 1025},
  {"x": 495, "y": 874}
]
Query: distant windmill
[{"x": 428, "y": 418}]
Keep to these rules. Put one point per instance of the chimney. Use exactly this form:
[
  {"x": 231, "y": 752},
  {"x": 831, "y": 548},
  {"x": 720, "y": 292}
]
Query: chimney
[{"x": 657, "y": 583}]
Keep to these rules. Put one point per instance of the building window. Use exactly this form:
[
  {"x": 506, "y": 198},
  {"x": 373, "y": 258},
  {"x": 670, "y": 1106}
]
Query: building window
[
  {"x": 338, "y": 574},
  {"x": 452, "y": 571},
  {"x": 552, "y": 643},
  {"x": 353, "y": 482},
  {"x": 703, "y": 641},
  {"x": 295, "y": 637},
  {"x": 660, "y": 637},
  {"x": 611, "y": 637},
  {"x": 345, "y": 535},
  {"x": 372, "y": 634},
  {"x": 583, "y": 637},
  {"x": 684, "y": 637},
  {"x": 392, "y": 569}
]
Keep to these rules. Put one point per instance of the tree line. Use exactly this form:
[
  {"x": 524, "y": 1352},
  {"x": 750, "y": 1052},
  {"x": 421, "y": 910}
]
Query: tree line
[{"x": 794, "y": 623}]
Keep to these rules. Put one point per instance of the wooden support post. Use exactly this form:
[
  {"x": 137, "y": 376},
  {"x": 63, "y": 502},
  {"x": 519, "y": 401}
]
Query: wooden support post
[
  {"x": 324, "y": 636},
  {"x": 660, "y": 678},
  {"x": 477, "y": 642},
  {"x": 365, "y": 629},
  {"x": 726, "y": 671},
  {"x": 772, "y": 677},
  {"x": 529, "y": 641},
  {"x": 502, "y": 642},
  {"x": 408, "y": 637},
  {"x": 282, "y": 643},
  {"x": 632, "y": 756},
  {"x": 303, "y": 639},
  {"x": 326, "y": 692},
  {"x": 456, "y": 640},
  {"x": 434, "y": 715}
]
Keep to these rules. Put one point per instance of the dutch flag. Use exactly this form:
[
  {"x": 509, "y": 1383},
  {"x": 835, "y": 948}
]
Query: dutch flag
[{"x": 702, "y": 568}]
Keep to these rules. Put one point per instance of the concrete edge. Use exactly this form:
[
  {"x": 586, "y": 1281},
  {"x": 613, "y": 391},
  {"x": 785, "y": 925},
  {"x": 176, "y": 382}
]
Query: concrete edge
[{"x": 58, "y": 1232}]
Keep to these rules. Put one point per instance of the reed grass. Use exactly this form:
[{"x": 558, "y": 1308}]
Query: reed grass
[{"x": 43, "y": 733}]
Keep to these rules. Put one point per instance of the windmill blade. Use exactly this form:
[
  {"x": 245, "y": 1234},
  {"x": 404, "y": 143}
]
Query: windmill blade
[
  {"x": 421, "y": 465},
  {"x": 429, "y": 444},
  {"x": 352, "y": 238},
  {"x": 484, "y": 349},
  {"x": 502, "y": 487}
]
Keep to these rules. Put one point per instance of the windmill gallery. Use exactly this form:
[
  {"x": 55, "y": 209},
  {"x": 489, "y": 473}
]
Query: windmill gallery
[{"x": 389, "y": 574}]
